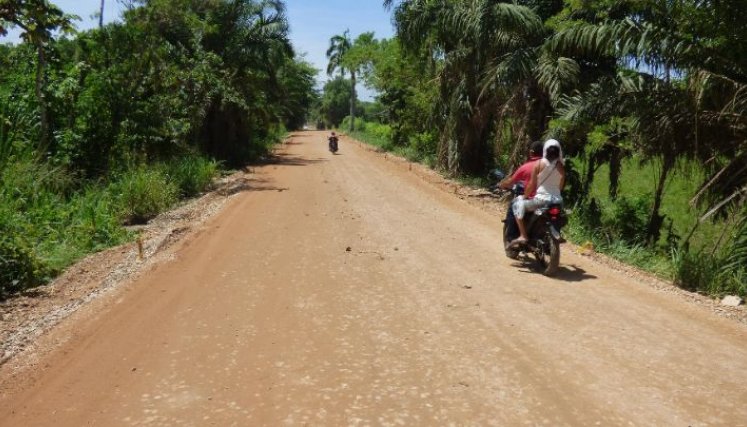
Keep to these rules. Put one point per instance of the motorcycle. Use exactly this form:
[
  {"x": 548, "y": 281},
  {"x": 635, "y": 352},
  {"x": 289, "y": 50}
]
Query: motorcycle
[
  {"x": 333, "y": 144},
  {"x": 544, "y": 227}
]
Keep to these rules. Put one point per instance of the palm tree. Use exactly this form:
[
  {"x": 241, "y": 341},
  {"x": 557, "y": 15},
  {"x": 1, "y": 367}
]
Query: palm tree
[
  {"x": 486, "y": 52},
  {"x": 38, "y": 22},
  {"x": 339, "y": 46},
  {"x": 687, "y": 101},
  {"x": 251, "y": 39}
]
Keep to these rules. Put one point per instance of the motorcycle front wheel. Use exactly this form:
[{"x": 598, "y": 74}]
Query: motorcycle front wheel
[
  {"x": 511, "y": 253},
  {"x": 548, "y": 254}
]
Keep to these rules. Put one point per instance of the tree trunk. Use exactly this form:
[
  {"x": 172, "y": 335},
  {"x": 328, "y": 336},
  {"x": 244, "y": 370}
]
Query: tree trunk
[
  {"x": 591, "y": 169},
  {"x": 41, "y": 64},
  {"x": 655, "y": 220},
  {"x": 539, "y": 111},
  {"x": 352, "y": 102},
  {"x": 471, "y": 156},
  {"x": 615, "y": 169}
]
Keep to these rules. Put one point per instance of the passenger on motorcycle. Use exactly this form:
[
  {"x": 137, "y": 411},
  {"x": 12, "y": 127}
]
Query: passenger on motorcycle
[
  {"x": 546, "y": 183},
  {"x": 521, "y": 176}
]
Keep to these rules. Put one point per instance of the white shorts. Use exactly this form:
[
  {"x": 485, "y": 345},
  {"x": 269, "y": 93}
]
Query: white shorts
[{"x": 522, "y": 205}]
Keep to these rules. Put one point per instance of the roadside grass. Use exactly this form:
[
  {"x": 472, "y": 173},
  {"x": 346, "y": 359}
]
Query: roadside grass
[
  {"x": 46, "y": 225},
  {"x": 49, "y": 220},
  {"x": 380, "y": 136},
  {"x": 192, "y": 174},
  {"x": 637, "y": 255},
  {"x": 700, "y": 266},
  {"x": 639, "y": 179},
  {"x": 142, "y": 193}
]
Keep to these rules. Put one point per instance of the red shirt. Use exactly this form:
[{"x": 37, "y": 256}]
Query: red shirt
[{"x": 524, "y": 173}]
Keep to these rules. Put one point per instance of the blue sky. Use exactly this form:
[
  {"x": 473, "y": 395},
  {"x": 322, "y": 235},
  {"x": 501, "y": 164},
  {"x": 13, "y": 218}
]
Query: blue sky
[{"x": 312, "y": 24}]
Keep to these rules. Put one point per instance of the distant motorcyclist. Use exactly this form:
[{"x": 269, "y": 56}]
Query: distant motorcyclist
[
  {"x": 545, "y": 186},
  {"x": 333, "y": 142}
]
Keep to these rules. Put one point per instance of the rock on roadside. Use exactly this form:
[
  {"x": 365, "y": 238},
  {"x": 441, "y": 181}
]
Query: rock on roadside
[{"x": 732, "y": 301}]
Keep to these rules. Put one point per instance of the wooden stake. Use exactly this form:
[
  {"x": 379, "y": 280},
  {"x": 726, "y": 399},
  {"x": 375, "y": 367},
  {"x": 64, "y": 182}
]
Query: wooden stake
[{"x": 140, "y": 248}]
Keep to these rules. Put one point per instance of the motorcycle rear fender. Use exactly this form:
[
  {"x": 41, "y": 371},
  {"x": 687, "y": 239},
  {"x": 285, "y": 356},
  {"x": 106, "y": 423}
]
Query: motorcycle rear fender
[{"x": 555, "y": 233}]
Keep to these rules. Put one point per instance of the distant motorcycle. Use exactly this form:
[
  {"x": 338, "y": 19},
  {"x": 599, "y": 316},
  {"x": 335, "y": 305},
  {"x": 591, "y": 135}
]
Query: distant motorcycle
[
  {"x": 544, "y": 228},
  {"x": 333, "y": 144}
]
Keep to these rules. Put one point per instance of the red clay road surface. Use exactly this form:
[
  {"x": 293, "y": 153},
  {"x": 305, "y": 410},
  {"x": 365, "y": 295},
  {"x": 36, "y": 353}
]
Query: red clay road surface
[{"x": 346, "y": 290}]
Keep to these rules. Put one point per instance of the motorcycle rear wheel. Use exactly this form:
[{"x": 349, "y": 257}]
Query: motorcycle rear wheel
[{"x": 548, "y": 254}]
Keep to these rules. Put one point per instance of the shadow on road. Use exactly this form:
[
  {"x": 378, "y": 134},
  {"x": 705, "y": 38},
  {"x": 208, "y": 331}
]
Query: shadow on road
[
  {"x": 566, "y": 273},
  {"x": 572, "y": 273},
  {"x": 244, "y": 184},
  {"x": 283, "y": 159},
  {"x": 259, "y": 184}
]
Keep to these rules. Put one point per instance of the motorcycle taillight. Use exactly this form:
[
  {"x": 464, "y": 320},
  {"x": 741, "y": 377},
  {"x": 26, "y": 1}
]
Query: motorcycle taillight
[{"x": 554, "y": 211}]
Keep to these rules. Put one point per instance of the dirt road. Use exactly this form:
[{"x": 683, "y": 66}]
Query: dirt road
[{"x": 345, "y": 290}]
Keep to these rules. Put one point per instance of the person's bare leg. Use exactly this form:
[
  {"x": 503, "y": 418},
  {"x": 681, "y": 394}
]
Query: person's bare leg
[{"x": 522, "y": 230}]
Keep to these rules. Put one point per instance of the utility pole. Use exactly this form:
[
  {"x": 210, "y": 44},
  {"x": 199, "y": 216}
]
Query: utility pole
[{"x": 101, "y": 15}]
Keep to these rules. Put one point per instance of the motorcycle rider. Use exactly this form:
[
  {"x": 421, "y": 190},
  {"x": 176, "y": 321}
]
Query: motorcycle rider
[
  {"x": 524, "y": 172},
  {"x": 332, "y": 142},
  {"x": 545, "y": 186},
  {"x": 521, "y": 176}
]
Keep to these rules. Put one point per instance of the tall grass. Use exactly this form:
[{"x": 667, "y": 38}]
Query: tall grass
[
  {"x": 45, "y": 225},
  {"x": 142, "y": 193},
  {"x": 49, "y": 220},
  {"x": 615, "y": 228},
  {"x": 192, "y": 174},
  {"x": 419, "y": 147},
  {"x": 708, "y": 273},
  {"x": 637, "y": 182}
]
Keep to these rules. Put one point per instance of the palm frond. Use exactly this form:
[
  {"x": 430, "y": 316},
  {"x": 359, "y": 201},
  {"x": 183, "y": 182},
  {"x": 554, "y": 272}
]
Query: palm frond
[{"x": 557, "y": 74}]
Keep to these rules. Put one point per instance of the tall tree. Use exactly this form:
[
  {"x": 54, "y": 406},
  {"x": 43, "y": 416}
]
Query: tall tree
[
  {"x": 37, "y": 19},
  {"x": 674, "y": 74},
  {"x": 334, "y": 102},
  {"x": 486, "y": 53},
  {"x": 339, "y": 45}
]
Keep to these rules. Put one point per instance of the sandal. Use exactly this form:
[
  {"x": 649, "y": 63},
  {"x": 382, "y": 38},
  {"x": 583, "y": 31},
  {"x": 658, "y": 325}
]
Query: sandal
[{"x": 518, "y": 242}]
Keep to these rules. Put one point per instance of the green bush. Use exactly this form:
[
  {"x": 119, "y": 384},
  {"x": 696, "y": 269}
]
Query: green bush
[
  {"x": 694, "y": 271},
  {"x": 192, "y": 174},
  {"x": 45, "y": 226},
  {"x": 19, "y": 267},
  {"x": 360, "y": 124},
  {"x": 380, "y": 131},
  {"x": 627, "y": 219},
  {"x": 143, "y": 193},
  {"x": 419, "y": 147},
  {"x": 424, "y": 143},
  {"x": 708, "y": 273},
  {"x": 376, "y": 134}
]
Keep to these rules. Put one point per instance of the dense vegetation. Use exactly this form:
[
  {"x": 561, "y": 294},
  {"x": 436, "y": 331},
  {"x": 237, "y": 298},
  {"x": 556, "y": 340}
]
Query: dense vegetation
[
  {"x": 111, "y": 126},
  {"x": 644, "y": 95}
]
